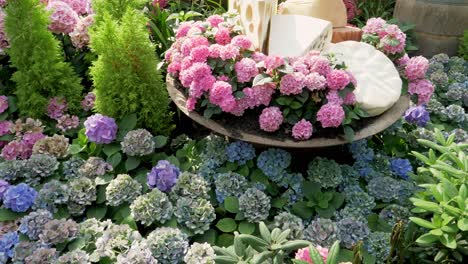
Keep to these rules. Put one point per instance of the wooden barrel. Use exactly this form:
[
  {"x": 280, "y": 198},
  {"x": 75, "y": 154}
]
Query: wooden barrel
[{"x": 439, "y": 23}]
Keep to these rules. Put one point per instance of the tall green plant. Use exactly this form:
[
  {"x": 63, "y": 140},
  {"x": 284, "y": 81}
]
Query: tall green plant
[
  {"x": 115, "y": 8},
  {"x": 125, "y": 75},
  {"x": 37, "y": 56},
  {"x": 443, "y": 203},
  {"x": 463, "y": 46}
]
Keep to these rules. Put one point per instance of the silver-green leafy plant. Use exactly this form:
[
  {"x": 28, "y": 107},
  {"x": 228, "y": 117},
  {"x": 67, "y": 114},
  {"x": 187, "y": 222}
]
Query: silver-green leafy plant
[
  {"x": 270, "y": 247},
  {"x": 443, "y": 202}
]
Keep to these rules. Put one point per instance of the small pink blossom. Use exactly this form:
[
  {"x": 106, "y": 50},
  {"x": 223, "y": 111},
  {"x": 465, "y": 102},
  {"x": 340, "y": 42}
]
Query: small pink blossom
[
  {"x": 271, "y": 119},
  {"x": 352, "y": 79},
  {"x": 416, "y": 68},
  {"x": 394, "y": 40},
  {"x": 302, "y": 130},
  {"x": 174, "y": 68},
  {"x": 183, "y": 29},
  {"x": 423, "y": 89},
  {"x": 259, "y": 95},
  {"x": 5, "y": 127},
  {"x": 190, "y": 43},
  {"x": 57, "y": 107},
  {"x": 320, "y": 65},
  {"x": 299, "y": 65},
  {"x": 246, "y": 69},
  {"x": 304, "y": 254},
  {"x": 229, "y": 52},
  {"x": 88, "y": 101},
  {"x": 3, "y": 103},
  {"x": 334, "y": 98},
  {"x": 30, "y": 138},
  {"x": 272, "y": 62},
  {"x": 14, "y": 150},
  {"x": 374, "y": 26},
  {"x": 160, "y": 3},
  {"x": 403, "y": 60},
  {"x": 331, "y": 115},
  {"x": 67, "y": 122},
  {"x": 63, "y": 18},
  {"x": 186, "y": 63},
  {"x": 201, "y": 85},
  {"x": 214, "y": 20},
  {"x": 351, "y": 9},
  {"x": 314, "y": 81},
  {"x": 350, "y": 99},
  {"x": 223, "y": 78},
  {"x": 258, "y": 56},
  {"x": 292, "y": 83},
  {"x": 242, "y": 42},
  {"x": 3, "y": 37},
  {"x": 221, "y": 95},
  {"x": 337, "y": 79},
  {"x": 215, "y": 50},
  {"x": 223, "y": 36},
  {"x": 191, "y": 104},
  {"x": 200, "y": 53},
  {"x": 79, "y": 36},
  {"x": 81, "y": 7}
]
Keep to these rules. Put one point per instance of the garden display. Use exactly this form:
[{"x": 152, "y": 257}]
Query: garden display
[{"x": 99, "y": 165}]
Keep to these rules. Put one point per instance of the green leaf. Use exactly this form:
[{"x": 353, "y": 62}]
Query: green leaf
[
  {"x": 463, "y": 224},
  {"x": 208, "y": 237},
  {"x": 427, "y": 239},
  {"x": 78, "y": 243},
  {"x": 225, "y": 240},
  {"x": 115, "y": 159},
  {"x": 244, "y": 171},
  {"x": 255, "y": 242},
  {"x": 110, "y": 149},
  {"x": 310, "y": 189},
  {"x": 279, "y": 202},
  {"x": 262, "y": 79},
  {"x": 160, "y": 141},
  {"x": 295, "y": 105},
  {"x": 8, "y": 215},
  {"x": 283, "y": 100},
  {"x": 227, "y": 225},
  {"x": 294, "y": 245},
  {"x": 239, "y": 247},
  {"x": 125, "y": 125},
  {"x": 132, "y": 163},
  {"x": 423, "y": 223},
  {"x": 262, "y": 257},
  {"x": 349, "y": 133},
  {"x": 75, "y": 149},
  {"x": 231, "y": 204},
  {"x": 325, "y": 213},
  {"x": 301, "y": 209},
  {"x": 338, "y": 200},
  {"x": 97, "y": 212},
  {"x": 315, "y": 255},
  {"x": 449, "y": 241},
  {"x": 101, "y": 194},
  {"x": 333, "y": 253},
  {"x": 265, "y": 232},
  {"x": 246, "y": 228},
  {"x": 172, "y": 159},
  {"x": 103, "y": 179}
]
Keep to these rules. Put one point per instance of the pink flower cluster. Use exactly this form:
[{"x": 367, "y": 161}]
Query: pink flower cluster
[
  {"x": 56, "y": 108},
  {"x": 67, "y": 122},
  {"x": 351, "y": 9},
  {"x": 79, "y": 36},
  {"x": 81, "y": 7},
  {"x": 88, "y": 101},
  {"x": 271, "y": 119},
  {"x": 5, "y": 128},
  {"x": 63, "y": 17},
  {"x": 246, "y": 70},
  {"x": 21, "y": 148},
  {"x": 304, "y": 254},
  {"x": 415, "y": 70},
  {"x": 331, "y": 115},
  {"x": 161, "y": 3},
  {"x": 391, "y": 39},
  {"x": 3, "y": 3},
  {"x": 302, "y": 130},
  {"x": 3, "y": 37},
  {"x": 3, "y": 103}
]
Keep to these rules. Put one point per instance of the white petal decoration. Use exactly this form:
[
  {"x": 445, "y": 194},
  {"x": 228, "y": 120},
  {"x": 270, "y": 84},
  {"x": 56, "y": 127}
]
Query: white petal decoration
[
  {"x": 295, "y": 35},
  {"x": 378, "y": 81}
]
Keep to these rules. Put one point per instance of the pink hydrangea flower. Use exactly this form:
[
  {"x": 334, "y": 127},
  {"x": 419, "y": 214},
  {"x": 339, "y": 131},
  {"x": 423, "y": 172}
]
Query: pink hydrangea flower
[
  {"x": 3, "y": 37},
  {"x": 200, "y": 54},
  {"x": 229, "y": 52},
  {"x": 214, "y": 20},
  {"x": 292, "y": 83},
  {"x": 215, "y": 50},
  {"x": 299, "y": 65},
  {"x": 63, "y": 18},
  {"x": 304, "y": 254},
  {"x": 81, "y": 7},
  {"x": 30, "y": 138},
  {"x": 334, "y": 98},
  {"x": 403, "y": 60},
  {"x": 351, "y": 9},
  {"x": 88, "y": 102},
  {"x": 223, "y": 78},
  {"x": 319, "y": 64},
  {"x": 331, "y": 115},
  {"x": 242, "y": 42},
  {"x": 271, "y": 119},
  {"x": 258, "y": 56},
  {"x": 350, "y": 99},
  {"x": 337, "y": 79},
  {"x": 3, "y": 3},
  {"x": 302, "y": 130},
  {"x": 221, "y": 95},
  {"x": 423, "y": 89},
  {"x": 186, "y": 63},
  {"x": 374, "y": 26},
  {"x": 192, "y": 42},
  {"x": 3, "y": 103},
  {"x": 183, "y": 29},
  {"x": 223, "y": 36},
  {"x": 14, "y": 150},
  {"x": 394, "y": 40},
  {"x": 314, "y": 81},
  {"x": 56, "y": 108},
  {"x": 196, "y": 72},
  {"x": 201, "y": 85},
  {"x": 79, "y": 36},
  {"x": 259, "y": 95},
  {"x": 246, "y": 69},
  {"x": 174, "y": 68},
  {"x": 352, "y": 79},
  {"x": 67, "y": 122},
  {"x": 272, "y": 62},
  {"x": 5, "y": 127},
  {"x": 161, "y": 3},
  {"x": 416, "y": 68},
  {"x": 191, "y": 104}
]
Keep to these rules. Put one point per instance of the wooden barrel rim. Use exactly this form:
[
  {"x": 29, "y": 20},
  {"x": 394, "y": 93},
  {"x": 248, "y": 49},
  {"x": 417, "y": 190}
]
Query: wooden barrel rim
[{"x": 375, "y": 125}]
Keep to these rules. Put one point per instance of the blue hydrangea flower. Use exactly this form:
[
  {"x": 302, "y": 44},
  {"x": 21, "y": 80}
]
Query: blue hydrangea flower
[
  {"x": 401, "y": 167},
  {"x": 163, "y": 176},
  {"x": 417, "y": 115},
  {"x": 229, "y": 184},
  {"x": 4, "y": 185},
  {"x": 351, "y": 230},
  {"x": 7, "y": 245},
  {"x": 378, "y": 245},
  {"x": 240, "y": 152},
  {"x": 360, "y": 151},
  {"x": 360, "y": 200},
  {"x": 273, "y": 163},
  {"x": 19, "y": 198}
]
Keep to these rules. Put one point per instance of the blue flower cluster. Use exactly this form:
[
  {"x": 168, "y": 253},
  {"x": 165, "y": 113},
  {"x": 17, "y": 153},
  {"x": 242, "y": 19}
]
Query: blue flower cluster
[
  {"x": 7, "y": 246},
  {"x": 401, "y": 168},
  {"x": 273, "y": 163},
  {"x": 240, "y": 152},
  {"x": 19, "y": 198},
  {"x": 229, "y": 184}
]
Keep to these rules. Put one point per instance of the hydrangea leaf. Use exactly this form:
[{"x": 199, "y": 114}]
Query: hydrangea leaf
[
  {"x": 160, "y": 141},
  {"x": 302, "y": 210},
  {"x": 110, "y": 149},
  {"x": 227, "y": 225},
  {"x": 225, "y": 240},
  {"x": 7, "y": 215},
  {"x": 231, "y": 204},
  {"x": 208, "y": 237},
  {"x": 125, "y": 125},
  {"x": 97, "y": 212},
  {"x": 115, "y": 159},
  {"x": 246, "y": 228},
  {"x": 132, "y": 163}
]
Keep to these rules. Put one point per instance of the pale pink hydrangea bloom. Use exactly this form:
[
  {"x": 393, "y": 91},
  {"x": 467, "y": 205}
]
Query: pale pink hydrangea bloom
[
  {"x": 393, "y": 34},
  {"x": 196, "y": 72},
  {"x": 319, "y": 64},
  {"x": 423, "y": 89},
  {"x": 334, "y": 98},
  {"x": 14, "y": 150},
  {"x": 174, "y": 68},
  {"x": 331, "y": 115},
  {"x": 67, "y": 122},
  {"x": 403, "y": 60},
  {"x": 229, "y": 52},
  {"x": 351, "y": 9},
  {"x": 189, "y": 43},
  {"x": 186, "y": 63},
  {"x": 246, "y": 69},
  {"x": 271, "y": 119},
  {"x": 223, "y": 78},
  {"x": 314, "y": 81},
  {"x": 194, "y": 31},
  {"x": 3, "y": 103},
  {"x": 304, "y": 254},
  {"x": 30, "y": 138},
  {"x": 80, "y": 36},
  {"x": 374, "y": 26},
  {"x": 259, "y": 95},
  {"x": 302, "y": 130},
  {"x": 242, "y": 42},
  {"x": 191, "y": 103},
  {"x": 88, "y": 102},
  {"x": 214, "y": 20},
  {"x": 350, "y": 99},
  {"x": 200, "y": 54},
  {"x": 272, "y": 62},
  {"x": 223, "y": 36},
  {"x": 221, "y": 95},
  {"x": 416, "y": 68},
  {"x": 337, "y": 79},
  {"x": 299, "y": 65},
  {"x": 201, "y": 85},
  {"x": 3, "y": 37},
  {"x": 183, "y": 29},
  {"x": 57, "y": 107},
  {"x": 5, "y": 127},
  {"x": 3, "y": 3},
  {"x": 292, "y": 83},
  {"x": 63, "y": 18},
  {"x": 81, "y": 7},
  {"x": 258, "y": 56},
  {"x": 215, "y": 50}
]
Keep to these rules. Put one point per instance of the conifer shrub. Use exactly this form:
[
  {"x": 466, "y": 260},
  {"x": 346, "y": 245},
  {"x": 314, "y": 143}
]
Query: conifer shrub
[
  {"x": 38, "y": 57},
  {"x": 125, "y": 75}
]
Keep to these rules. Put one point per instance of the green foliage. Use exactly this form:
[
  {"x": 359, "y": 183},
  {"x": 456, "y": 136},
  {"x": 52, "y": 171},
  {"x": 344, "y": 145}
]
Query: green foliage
[
  {"x": 463, "y": 47},
  {"x": 115, "y": 8},
  {"x": 442, "y": 204},
  {"x": 125, "y": 75},
  {"x": 323, "y": 203},
  {"x": 35, "y": 53},
  {"x": 373, "y": 8}
]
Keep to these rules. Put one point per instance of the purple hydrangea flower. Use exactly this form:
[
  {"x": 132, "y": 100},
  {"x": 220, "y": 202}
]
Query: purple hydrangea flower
[
  {"x": 56, "y": 108},
  {"x": 88, "y": 101},
  {"x": 100, "y": 129},
  {"x": 417, "y": 115},
  {"x": 401, "y": 167},
  {"x": 163, "y": 176},
  {"x": 3, "y": 103},
  {"x": 19, "y": 198},
  {"x": 7, "y": 245},
  {"x": 3, "y": 188}
]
